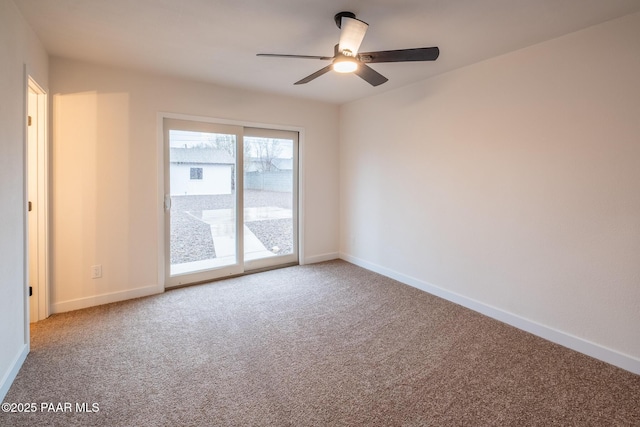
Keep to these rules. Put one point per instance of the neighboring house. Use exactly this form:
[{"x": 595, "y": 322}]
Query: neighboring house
[{"x": 200, "y": 171}]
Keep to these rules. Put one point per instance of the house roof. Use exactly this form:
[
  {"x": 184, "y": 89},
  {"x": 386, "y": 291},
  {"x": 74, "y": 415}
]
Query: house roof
[{"x": 200, "y": 155}]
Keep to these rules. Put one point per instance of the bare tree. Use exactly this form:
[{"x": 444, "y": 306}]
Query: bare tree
[
  {"x": 222, "y": 142},
  {"x": 265, "y": 151},
  {"x": 262, "y": 152}
]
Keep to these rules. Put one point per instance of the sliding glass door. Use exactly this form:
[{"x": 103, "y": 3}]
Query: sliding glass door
[{"x": 230, "y": 200}]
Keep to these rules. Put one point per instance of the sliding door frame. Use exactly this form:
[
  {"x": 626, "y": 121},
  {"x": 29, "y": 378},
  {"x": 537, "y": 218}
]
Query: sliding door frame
[
  {"x": 293, "y": 258},
  {"x": 163, "y": 274}
]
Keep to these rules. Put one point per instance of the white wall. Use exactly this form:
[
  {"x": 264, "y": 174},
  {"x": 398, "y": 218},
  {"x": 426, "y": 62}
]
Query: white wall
[
  {"x": 18, "y": 47},
  {"x": 105, "y": 173},
  {"x": 216, "y": 179},
  {"x": 511, "y": 186}
]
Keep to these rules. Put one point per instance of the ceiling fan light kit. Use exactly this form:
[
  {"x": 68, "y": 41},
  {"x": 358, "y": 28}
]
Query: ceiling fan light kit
[
  {"x": 347, "y": 60},
  {"x": 345, "y": 64}
]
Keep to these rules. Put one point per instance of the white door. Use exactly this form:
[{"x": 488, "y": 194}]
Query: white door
[
  {"x": 32, "y": 189},
  {"x": 37, "y": 194},
  {"x": 230, "y": 200}
]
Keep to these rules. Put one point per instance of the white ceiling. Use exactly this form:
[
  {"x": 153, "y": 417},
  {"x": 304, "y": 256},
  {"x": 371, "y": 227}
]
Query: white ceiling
[{"x": 217, "y": 40}]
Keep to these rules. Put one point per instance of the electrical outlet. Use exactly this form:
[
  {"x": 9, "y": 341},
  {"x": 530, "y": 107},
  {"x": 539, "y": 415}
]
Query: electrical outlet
[{"x": 96, "y": 271}]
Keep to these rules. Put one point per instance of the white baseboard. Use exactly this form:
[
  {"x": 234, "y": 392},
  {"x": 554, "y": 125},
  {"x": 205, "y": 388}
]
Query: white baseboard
[
  {"x": 580, "y": 345},
  {"x": 321, "y": 258},
  {"x": 11, "y": 374},
  {"x": 77, "y": 304}
]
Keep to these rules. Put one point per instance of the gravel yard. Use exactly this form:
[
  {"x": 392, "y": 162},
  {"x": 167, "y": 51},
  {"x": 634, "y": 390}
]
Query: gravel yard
[
  {"x": 191, "y": 238},
  {"x": 274, "y": 233}
]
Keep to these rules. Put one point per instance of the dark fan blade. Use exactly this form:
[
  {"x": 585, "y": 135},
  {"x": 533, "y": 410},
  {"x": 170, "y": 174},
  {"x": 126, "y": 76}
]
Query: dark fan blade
[
  {"x": 314, "y": 75},
  {"x": 277, "y": 55},
  {"x": 401, "y": 55},
  {"x": 370, "y": 75}
]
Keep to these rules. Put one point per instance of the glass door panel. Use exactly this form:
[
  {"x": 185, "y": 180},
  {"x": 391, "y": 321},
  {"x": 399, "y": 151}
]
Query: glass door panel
[
  {"x": 270, "y": 197},
  {"x": 202, "y": 201}
]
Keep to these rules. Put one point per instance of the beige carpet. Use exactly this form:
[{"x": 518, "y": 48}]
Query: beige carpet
[{"x": 328, "y": 344}]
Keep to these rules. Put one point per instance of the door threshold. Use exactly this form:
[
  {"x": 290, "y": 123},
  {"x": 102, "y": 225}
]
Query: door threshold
[{"x": 218, "y": 279}]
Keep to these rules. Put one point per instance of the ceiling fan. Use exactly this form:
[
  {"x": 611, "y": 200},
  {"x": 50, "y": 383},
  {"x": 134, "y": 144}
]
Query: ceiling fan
[{"x": 346, "y": 58}]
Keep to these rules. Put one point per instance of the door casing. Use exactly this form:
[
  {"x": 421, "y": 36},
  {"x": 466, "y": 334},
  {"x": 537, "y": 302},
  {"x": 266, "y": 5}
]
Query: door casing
[{"x": 37, "y": 198}]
